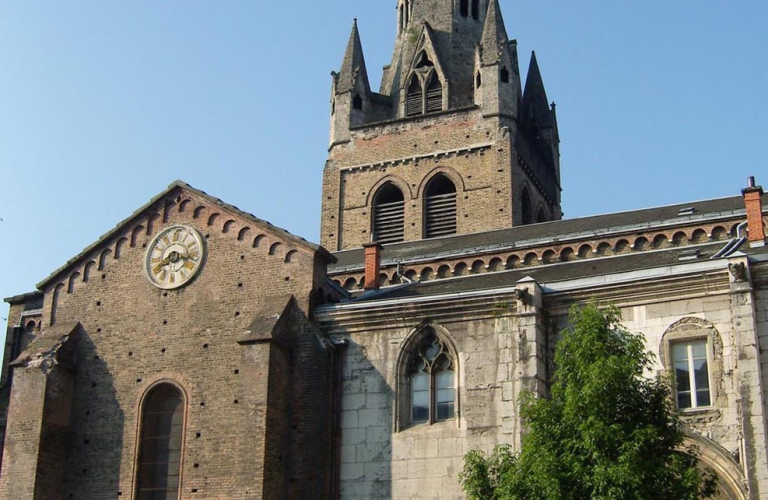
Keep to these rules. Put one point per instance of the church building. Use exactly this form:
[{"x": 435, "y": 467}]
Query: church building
[{"x": 197, "y": 352}]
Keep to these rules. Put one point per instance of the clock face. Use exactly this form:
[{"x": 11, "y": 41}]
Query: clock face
[{"x": 174, "y": 257}]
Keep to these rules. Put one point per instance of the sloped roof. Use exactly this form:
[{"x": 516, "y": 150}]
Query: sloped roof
[
  {"x": 625, "y": 263},
  {"x": 547, "y": 233},
  {"x": 179, "y": 185}
]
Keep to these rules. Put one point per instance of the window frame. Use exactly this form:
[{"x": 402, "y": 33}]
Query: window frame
[
  {"x": 693, "y": 388},
  {"x": 689, "y": 330},
  {"x": 405, "y": 375},
  {"x": 140, "y": 429}
]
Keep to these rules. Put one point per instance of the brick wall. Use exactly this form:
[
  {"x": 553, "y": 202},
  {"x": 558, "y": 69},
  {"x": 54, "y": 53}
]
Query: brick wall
[{"x": 135, "y": 335}]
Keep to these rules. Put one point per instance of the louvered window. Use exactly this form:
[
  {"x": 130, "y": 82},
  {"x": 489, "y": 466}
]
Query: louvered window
[
  {"x": 414, "y": 99},
  {"x": 434, "y": 94},
  {"x": 160, "y": 444},
  {"x": 440, "y": 207},
  {"x": 388, "y": 215}
]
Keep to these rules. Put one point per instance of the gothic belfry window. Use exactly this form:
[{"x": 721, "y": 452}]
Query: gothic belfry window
[
  {"x": 440, "y": 205},
  {"x": 388, "y": 214},
  {"x": 424, "y": 93},
  {"x": 434, "y": 94},
  {"x": 475, "y": 9},
  {"x": 414, "y": 97},
  {"x": 162, "y": 429},
  {"x": 430, "y": 374}
]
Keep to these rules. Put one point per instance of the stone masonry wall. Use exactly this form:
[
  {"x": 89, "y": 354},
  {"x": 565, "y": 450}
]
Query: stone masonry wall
[{"x": 382, "y": 455}]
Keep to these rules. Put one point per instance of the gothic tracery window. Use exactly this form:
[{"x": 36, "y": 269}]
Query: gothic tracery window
[
  {"x": 430, "y": 375},
  {"x": 424, "y": 93}
]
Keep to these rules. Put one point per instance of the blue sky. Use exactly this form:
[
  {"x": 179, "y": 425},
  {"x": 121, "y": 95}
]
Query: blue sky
[{"x": 105, "y": 103}]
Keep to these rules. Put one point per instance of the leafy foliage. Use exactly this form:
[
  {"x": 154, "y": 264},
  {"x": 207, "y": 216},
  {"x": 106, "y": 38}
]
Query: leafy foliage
[{"x": 606, "y": 433}]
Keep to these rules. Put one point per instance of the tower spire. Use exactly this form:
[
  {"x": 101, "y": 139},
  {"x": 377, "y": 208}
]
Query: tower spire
[
  {"x": 353, "y": 65},
  {"x": 535, "y": 102}
]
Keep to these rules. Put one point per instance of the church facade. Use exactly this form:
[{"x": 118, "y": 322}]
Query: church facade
[{"x": 198, "y": 352}]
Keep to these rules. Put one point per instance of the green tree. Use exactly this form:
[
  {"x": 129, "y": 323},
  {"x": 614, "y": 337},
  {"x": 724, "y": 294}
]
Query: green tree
[{"x": 607, "y": 432}]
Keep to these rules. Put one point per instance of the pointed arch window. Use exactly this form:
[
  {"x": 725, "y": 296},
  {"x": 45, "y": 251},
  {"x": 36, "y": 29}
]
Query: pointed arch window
[
  {"x": 430, "y": 378},
  {"x": 541, "y": 216},
  {"x": 414, "y": 97},
  {"x": 440, "y": 201},
  {"x": 388, "y": 214},
  {"x": 424, "y": 93},
  {"x": 160, "y": 442},
  {"x": 475, "y": 9},
  {"x": 434, "y": 94},
  {"x": 525, "y": 207}
]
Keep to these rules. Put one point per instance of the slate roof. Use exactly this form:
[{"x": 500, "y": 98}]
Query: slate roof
[
  {"x": 553, "y": 273},
  {"x": 547, "y": 233}
]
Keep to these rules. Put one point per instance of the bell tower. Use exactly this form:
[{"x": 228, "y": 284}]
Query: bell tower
[{"x": 450, "y": 144}]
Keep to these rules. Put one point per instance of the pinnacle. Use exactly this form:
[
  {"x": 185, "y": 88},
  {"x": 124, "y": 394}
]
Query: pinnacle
[
  {"x": 353, "y": 64},
  {"x": 494, "y": 33}
]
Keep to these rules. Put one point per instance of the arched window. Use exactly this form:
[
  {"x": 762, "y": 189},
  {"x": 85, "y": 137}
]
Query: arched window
[
  {"x": 388, "y": 214},
  {"x": 541, "y": 216},
  {"x": 525, "y": 207},
  {"x": 414, "y": 98},
  {"x": 440, "y": 207},
  {"x": 357, "y": 102},
  {"x": 434, "y": 94},
  {"x": 162, "y": 430},
  {"x": 430, "y": 380},
  {"x": 475, "y": 9}
]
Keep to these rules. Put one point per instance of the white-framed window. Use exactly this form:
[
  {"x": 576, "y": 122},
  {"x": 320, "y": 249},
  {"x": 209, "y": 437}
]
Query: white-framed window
[{"x": 690, "y": 359}]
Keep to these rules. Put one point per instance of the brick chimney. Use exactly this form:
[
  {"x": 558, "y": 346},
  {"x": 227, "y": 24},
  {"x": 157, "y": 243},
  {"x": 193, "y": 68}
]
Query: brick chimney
[
  {"x": 372, "y": 265},
  {"x": 754, "y": 203}
]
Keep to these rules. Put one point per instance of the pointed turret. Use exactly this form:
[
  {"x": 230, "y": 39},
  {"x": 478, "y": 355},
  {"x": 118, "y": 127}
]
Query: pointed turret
[
  {"x": 535, "y": 103},
  {"x": 538, "y": 121},
  {"x": 494, "y": 38},
  {"x": 497, "y": 78},
  {"x": 351, "y": 92},
  {"x": 353, "y": 65}
]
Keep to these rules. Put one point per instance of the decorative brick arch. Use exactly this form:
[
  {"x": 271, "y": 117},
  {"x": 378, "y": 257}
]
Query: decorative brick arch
[
  {"x": 394, "y": 179},
  {"x": 448, "y": 172}
]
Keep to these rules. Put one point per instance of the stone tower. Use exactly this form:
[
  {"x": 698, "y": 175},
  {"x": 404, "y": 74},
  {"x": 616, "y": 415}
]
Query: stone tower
[{"x": 451, "y": 143}]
